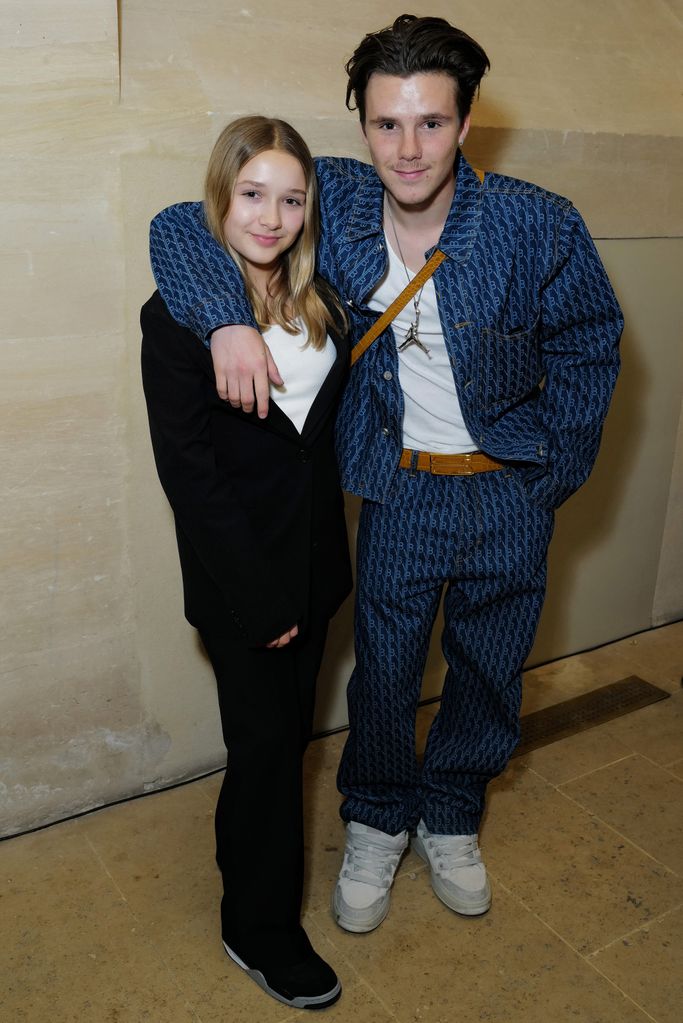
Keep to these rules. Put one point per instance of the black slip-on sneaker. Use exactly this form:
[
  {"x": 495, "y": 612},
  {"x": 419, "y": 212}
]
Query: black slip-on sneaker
[{"x": 308, "y": 984}]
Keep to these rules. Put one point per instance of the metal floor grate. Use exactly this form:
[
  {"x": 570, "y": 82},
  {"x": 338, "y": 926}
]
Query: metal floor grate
[{"x": 585, "y": 711}]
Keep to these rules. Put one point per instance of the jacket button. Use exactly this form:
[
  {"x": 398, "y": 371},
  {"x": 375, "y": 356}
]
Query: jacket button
[
  {"x": 303, "y": 455},
  {"x": 388, "y": 375},
  {"x": 386, "y": 431}
]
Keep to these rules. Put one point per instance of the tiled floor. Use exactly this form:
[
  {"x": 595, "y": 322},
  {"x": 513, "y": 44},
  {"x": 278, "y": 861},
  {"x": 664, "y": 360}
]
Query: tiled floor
[{"x": 113, "y": 917}]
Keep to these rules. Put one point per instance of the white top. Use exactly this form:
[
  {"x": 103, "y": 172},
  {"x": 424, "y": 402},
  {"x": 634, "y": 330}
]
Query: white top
[
  {"x": 432, "y": 418},
  {"x": 303, "y": 370}
]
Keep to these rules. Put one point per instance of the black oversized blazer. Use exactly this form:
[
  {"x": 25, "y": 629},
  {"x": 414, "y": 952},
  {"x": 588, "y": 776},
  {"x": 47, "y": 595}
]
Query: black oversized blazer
[{"x": 258, "y": 508}]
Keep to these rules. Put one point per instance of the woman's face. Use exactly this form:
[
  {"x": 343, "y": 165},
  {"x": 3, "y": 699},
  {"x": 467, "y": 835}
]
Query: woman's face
[{"x": 267, "y": 211}]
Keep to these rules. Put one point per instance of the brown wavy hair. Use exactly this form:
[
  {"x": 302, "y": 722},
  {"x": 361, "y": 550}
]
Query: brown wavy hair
[
  {"x": 293, "y": 291},
  {"x": 414, "y": 46}
]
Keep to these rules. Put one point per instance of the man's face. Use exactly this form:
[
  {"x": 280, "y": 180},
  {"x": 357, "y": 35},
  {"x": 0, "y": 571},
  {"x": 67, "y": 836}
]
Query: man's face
[{"x": 412, "y": 130}]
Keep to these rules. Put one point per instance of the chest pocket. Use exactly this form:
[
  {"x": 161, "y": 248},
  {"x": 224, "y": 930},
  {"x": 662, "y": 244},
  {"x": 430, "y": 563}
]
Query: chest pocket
[{"x": 509, "y": 366}]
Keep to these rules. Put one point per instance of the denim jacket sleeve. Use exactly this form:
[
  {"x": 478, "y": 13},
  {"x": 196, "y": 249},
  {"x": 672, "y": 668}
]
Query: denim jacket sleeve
[
  {"x": 196, "y": 277},
  {"x": 581, "y": 324}
]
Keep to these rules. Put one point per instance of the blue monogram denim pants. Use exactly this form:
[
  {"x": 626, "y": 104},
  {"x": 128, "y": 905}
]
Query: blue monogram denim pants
[{"x": 485, "y": 540}]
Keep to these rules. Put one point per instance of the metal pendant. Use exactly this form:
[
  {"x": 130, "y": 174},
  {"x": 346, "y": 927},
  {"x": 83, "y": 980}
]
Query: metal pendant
[{"x": 413, "y": 338}]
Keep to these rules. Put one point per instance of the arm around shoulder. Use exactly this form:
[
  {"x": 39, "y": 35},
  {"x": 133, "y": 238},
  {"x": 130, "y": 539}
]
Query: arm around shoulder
[{"x": 197, "y": 279}]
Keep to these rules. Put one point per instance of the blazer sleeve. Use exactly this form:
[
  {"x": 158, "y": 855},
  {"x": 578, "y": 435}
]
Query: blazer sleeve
[
  {"x": 204, "y": 499},
  {"x": 197, "y": 279}
]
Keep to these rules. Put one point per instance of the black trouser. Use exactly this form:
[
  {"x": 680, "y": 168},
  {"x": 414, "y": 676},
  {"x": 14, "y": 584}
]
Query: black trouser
[{"x": 266, "y": 700}]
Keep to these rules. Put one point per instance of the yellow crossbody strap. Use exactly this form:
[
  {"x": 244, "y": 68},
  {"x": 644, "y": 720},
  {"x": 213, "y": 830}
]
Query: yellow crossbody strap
[{"x": 394, "y": 309}]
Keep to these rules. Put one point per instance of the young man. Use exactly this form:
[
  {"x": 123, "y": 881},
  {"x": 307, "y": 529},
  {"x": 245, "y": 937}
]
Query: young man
[{"x": 463, "y": 427}]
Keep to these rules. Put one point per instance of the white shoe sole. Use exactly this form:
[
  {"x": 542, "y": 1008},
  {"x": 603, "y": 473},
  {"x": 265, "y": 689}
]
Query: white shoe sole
[
  {"x": 300, "y": 1002},
  {"x": 461, "y": 906},
  {"x": 355, "y": 926}
]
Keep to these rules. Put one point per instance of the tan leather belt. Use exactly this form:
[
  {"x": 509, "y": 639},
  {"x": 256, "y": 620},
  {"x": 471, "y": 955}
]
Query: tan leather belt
[{"x": 449, "y": 465}]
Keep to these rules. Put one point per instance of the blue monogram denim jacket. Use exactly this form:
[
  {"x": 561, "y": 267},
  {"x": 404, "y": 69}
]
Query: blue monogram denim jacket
[{"x": 529, "y": 318}]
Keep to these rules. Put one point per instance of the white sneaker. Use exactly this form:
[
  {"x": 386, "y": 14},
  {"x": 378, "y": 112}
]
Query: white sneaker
[
  {"x": 361, "y": 897},
  {"x": 458, "y": 875}
]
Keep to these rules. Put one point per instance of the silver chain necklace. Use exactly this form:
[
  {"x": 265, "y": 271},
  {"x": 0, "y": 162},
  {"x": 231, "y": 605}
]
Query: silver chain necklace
[{"x": 412, "y": 336}]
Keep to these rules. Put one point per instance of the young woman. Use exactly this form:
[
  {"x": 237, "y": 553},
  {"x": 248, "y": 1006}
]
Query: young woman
[{"x": 261, "y": 535}]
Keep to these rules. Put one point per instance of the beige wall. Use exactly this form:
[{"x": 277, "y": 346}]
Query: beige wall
[{"x": 105, "y": 692}]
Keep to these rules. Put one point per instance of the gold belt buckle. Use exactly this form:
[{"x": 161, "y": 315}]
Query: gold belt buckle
[
  {"x": 468, "y": 470},
  {"x": 439, "y": 465}
]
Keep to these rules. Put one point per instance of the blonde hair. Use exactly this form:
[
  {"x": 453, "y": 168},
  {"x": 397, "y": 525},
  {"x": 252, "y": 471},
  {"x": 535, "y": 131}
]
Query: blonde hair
[{"x": 293, "y": 292}]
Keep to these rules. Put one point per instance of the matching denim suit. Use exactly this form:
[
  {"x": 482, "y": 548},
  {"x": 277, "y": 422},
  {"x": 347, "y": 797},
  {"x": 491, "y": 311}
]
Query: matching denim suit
[{"x": 532, "y": 328}]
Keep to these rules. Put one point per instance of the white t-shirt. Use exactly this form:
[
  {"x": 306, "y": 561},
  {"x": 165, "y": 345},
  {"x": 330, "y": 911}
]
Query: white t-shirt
[
  {"x": 303, "y": 370},
  {"x": 432, "y": 419}
]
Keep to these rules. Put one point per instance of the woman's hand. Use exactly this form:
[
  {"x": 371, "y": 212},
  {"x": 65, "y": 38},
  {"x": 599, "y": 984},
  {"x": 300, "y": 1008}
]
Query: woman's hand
[
  {"x": 284, "y": 639},
  {"x": 243, "y": 366}
]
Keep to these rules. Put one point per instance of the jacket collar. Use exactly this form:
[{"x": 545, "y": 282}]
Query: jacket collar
[
  {"x": 367, "y": 214},
  {"x": 462, "y": 224}
]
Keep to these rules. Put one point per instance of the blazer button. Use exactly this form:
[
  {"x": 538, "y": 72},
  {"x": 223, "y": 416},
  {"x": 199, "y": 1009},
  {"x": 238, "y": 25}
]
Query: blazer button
[
  {"x": 303, "y": 455},
  {"x": 388, "y": 375},
  {"x": 385, "y": 431}
]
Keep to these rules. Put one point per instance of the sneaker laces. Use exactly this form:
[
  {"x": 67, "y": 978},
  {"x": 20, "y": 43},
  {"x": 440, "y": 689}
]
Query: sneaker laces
[
  {"x": 451, "y": 852},
  {"x": 369, "y": 863}
]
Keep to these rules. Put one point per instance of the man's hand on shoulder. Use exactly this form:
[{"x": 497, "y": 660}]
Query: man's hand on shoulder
[{"x": 243, "y": 367}]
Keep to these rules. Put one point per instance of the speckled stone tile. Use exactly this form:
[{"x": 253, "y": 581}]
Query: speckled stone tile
[
  {"x": 571, "y": 676},
  {"x": 72, "y": 950},
  {"x": 576, "y": 755},
  {"x": 647, "y": 966},
  {"x": 53, "y": 869},
  {"x": 160, "y": 852},
  {"x": 210, "y": 786},
  {"x": 655, "y": 731},
  {"x": 426, "y": 963},
  {"x": 566, "y": 865},
  {"x": 359, "y": 1001},
  {"x": 655, "y": 655},
  {"x": 217, "y": 988},
  {"x": 642, "y": 801}
]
